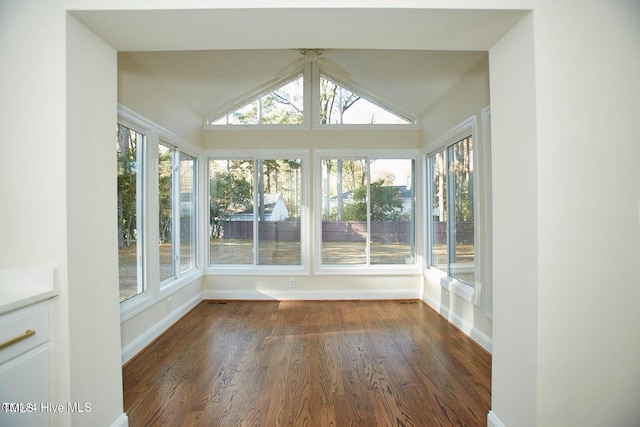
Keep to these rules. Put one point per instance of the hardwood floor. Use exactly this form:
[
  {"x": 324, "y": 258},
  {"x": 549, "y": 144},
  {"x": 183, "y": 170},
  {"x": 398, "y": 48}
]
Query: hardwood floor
[{"x": 309, "y": 363}]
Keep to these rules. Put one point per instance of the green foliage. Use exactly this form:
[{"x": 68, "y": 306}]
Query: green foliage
[
  {"x": 228, "y": 194},
  {"x": 165, "y": 167},
  {"x": 386, "y": 205},
  {"x": 126, "y": 157}
]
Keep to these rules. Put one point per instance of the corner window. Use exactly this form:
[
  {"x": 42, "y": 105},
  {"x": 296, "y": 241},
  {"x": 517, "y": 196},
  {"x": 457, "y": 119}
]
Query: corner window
[
  {"x": 129, "y": 154},
  {"x": 368, "y": 209},
  {"x": 452, "y": 243},
  {"x": 255, "y": 211},
  {"x": 177, "y": 212}
]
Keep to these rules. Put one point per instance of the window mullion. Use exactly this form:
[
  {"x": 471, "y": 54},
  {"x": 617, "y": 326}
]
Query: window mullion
[
  {"x": 175, "y": 212},
  {"x": 368, "y": 204},
  {"x": 451, "y": 209}
]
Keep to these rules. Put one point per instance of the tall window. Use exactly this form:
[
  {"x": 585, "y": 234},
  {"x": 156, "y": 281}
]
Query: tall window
[
  {"x": 166, "y": 200},
  {"x": 367, "y": 211},
  {"x": 255, "y": 207},
  {"x": 177, "y": 205},
  {"x": 451, "y": 200},
  {"x": 129, "y": 150},
  {"x": 187, "y": 189}
]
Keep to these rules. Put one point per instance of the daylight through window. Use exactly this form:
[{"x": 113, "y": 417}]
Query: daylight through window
[
  {"x": 129, "y": 154},
  {"x": 255, "y": 211},
  {"x": 368, "y": 207},
  {"x": 451, "y": 203}
]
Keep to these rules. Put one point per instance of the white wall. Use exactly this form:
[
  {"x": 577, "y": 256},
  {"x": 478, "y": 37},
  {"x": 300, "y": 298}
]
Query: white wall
[
  {"x": 33, "y": 158},
  {"x": 58, "y": 91},
  {"x": 139, "y": 91},
  {"x": 515, "y": 238},
  {"x": 311, "y": 139},
  {"x": 467, "y": 98},
  {"x": 587, "y": 108},
  {"x": 91, "y": 225}
]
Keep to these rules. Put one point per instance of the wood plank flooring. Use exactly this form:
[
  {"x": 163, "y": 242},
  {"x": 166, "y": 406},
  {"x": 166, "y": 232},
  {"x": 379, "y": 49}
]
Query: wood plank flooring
[{"x": 309, "y": 363}]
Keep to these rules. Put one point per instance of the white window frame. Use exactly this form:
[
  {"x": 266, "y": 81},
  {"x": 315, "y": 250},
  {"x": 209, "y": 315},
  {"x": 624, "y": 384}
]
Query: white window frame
[
  {"x": 175, "y": 213},
  {"x": 466, "y": 291},
  {"x": 155, "y": 290},
  {"x": 261, "y": 269},
  {"x": 142, "y": 296},
  {"x": 311, "y": 115},
  {"x": 364, "y": 269}
]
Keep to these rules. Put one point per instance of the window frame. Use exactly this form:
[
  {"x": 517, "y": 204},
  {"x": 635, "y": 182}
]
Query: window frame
[
  {"x": 255, "y": 268},
  {"x": 176, "y": 224},
  {"x": 467, "y": 291},
  {"x": 311, "y": 73},
  {"x": 368, "y": 268},
  {"x": 155, "y": 289},
  {"x": 141, "y": 209}
]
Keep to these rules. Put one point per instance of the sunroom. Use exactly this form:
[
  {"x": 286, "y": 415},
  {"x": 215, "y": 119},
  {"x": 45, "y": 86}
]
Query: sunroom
[{"x": 360, "y": 148}]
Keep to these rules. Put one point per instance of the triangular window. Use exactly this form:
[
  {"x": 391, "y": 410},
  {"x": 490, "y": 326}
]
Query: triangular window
[
  {"x": 283, "y": 105},
  {"x": 340, "y": 105}
]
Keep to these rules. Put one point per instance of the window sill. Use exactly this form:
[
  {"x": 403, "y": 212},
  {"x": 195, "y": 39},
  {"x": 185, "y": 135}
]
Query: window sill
[
  {"x": 460, "y": 289},
  {"x": 172, "y": 286},
  {"x": 256, "y": 270},
  {"x": 135, "y": 306}
]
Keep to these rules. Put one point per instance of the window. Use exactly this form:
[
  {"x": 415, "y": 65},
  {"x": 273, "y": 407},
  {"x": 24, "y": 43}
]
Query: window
[
  {"x": 283, "y": 105},
  {"x": 130, "y": 150},
  {"x": 339, "y": 105},
  {"x": 310, "y": 98},
  {"x": 368, "y": 209},
  {"x": 451, "y": 204},
  {"x": 156, "y": 210},
  {"x": 177, "y": 205},
  {"x": 255, "y": 211}
]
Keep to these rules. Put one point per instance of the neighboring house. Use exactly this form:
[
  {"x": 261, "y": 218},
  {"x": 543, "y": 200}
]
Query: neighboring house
[{"x": 275, "y": 209}]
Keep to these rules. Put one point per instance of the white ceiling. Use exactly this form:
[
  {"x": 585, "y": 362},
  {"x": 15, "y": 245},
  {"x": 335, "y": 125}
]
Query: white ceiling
[
  {"x": 409, "y": 57},
  {"x": 206, "y": 80}
]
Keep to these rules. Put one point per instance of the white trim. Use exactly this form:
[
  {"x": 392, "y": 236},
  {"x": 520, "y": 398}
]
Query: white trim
[
  {"x": 493, "y": 420},
  {"x": 487, "y": 186},
  {"x": 462, "y": 130},
  {"x": 467, "y": 328},
  {"x": 147, "y": 337},
  {"x": 122, "y": 421},
  {"x": 334, "y": 295}
]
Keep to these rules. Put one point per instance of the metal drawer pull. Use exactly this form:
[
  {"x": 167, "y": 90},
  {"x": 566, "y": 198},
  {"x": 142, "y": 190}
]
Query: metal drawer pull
[{"x": 16, "y": 340}]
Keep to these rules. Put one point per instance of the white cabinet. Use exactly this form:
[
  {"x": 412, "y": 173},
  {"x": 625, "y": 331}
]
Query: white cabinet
[{"x": 25, "y": 366}]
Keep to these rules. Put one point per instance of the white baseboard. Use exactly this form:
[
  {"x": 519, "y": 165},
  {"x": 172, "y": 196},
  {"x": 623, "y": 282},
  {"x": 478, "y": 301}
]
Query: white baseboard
[
  {"x": 493, "y": 421},
  {"x": 483, "y": 340},
  {"x": 122, "y": 421},
  {"x": 280, "y": 295},
  {"x": 147, "y": 337}
]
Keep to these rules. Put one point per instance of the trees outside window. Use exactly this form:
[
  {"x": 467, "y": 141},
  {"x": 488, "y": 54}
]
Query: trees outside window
[
  {"x": 368, "y": 209},
  {"x": 129, "y": 157},
  {"x": 451, "y": 204},
  {"x": 255, "y": 211}
]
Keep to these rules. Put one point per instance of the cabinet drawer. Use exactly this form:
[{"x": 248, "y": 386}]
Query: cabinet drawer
[{"x": 17, "y": 327}]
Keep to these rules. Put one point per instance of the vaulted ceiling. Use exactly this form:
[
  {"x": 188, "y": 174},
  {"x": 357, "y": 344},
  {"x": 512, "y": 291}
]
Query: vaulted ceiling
[
  {"x": 208, "y": 58},
  {"x": 205, "y": 80}
]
